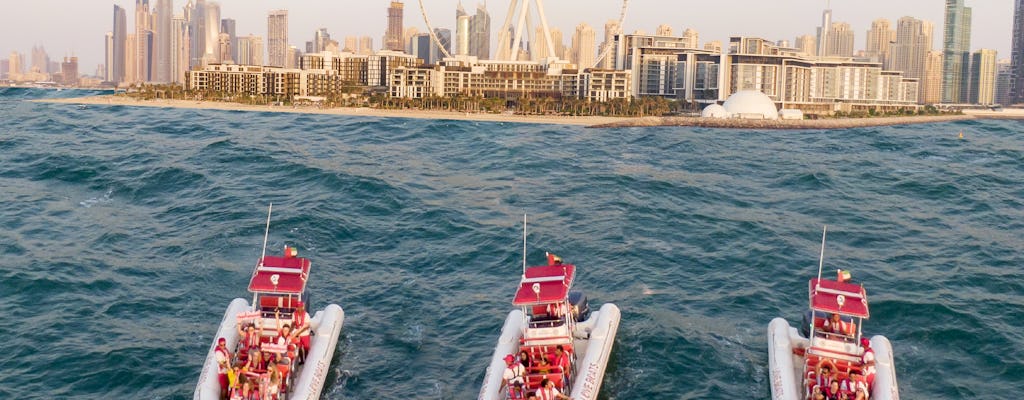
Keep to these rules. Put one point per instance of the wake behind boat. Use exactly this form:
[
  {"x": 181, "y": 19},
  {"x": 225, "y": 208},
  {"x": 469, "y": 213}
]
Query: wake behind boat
[
  {"x": 828, "y": 357},
  {"x": 271, "y": 348},
  {"x": 551, "y": 343}
]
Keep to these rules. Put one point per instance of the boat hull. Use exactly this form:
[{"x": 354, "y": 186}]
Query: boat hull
[
  {"x": 785, "y": 368},
  {"x": 595, "y": 338},
  {"x": 308, "y": 382}
]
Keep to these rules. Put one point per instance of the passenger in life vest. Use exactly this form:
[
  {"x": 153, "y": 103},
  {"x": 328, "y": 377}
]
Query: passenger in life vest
[
  {"x": 300, "y": 322},
  {"x": 513, "y": 377},
  {"x": 562, "y": 360},
  {"x": 246, "y": 392},
  {"x": 547, "y": 391},
  {"x": 541, "y": 364},
  {"x": 833, "y": 392},
  {"x": 250, "y": 336},
  {"x": 867, "y": 360},
  {"x": 856, "y": 385},
  {"x": 823, "y": 376},
  {"x": 838, "y": 326},
  {"x": 223, "y": 356}
]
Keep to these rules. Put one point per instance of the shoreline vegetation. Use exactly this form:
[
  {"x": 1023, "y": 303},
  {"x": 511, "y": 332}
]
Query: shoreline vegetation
[{"x": 592, "y": 121}]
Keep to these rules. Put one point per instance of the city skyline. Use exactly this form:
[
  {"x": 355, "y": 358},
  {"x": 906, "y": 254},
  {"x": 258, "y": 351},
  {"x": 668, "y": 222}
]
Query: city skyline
[{"x": 88, "y": 21}]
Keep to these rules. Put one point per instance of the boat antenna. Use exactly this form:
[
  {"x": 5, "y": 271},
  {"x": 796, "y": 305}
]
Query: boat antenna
[
  {"x": 266, "y": 233},
  {"x": 524, "y": 244},
  {"x": 821, "y": 259}
]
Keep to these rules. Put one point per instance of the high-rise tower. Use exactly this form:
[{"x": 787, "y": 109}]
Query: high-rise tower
[
  {"x": 880, "y": 36},
  {"x": 120, "y": 36},
  {"x": 823, "y": 30},
  {"x": 584, "y": 44},
  {"x": 956, "y": 45},
  {"x": 480, "y": 33},
  {"x": 277, "y": 38},
  {"x": 393, "y": 35},
  {"x": 162, "y": 37},
  {"x": 1017, "y": 55}
]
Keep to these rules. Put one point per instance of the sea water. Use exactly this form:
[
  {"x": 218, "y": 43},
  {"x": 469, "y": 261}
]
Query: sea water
[{"x": 126, "y": 231}]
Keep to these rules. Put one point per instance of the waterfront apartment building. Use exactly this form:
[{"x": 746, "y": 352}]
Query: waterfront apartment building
[
  {"x": 469, "y": 76},
  {"x": 909, "y": 52},
  {"x": 956, "y": 45},
  {"x": 666, "y": 67}
]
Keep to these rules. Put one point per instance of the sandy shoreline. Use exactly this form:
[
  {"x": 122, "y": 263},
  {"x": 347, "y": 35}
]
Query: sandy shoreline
[
  {"x": 588, "y": 121},
  {"x": 110, "y": 100}
]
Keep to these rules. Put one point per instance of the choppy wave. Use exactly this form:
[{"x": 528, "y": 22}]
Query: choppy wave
[{"x": 127, "y": 230}]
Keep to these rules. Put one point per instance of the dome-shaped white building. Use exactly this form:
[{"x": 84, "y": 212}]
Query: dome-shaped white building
[
  {"x": 751, "y": 104},
  {"x": 714, "y": 111}
]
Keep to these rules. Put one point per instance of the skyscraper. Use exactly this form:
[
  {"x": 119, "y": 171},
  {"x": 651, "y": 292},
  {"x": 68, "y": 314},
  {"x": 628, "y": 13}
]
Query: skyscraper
[
  {"x": 108, "y": 56},
  {"x": 143, "y": 42},
  {"x": 910, "y": 51},
  {"x": 162, "y": 37},
  {"x": 366, "y": 45},
  {"x": 445, "y": 37},
  {"x": 40, "y": 60},
  {"x": 956, "y": 45},
  {"x": 195, "y": 16},
  {"x": 120, "y": 33},
  {"x": 1017, "y": 55},
  {"x": 250, "y": 50},
  {"x": 983, "y": 77},
  {"x": 663, "y": 30},
  {"x": 840, "y": 38},
  {"x": 541, "y": 51},
  {"x": 823, "y": 31},
  {"x": 879, "y": 37},
  {"x": 277, "y": 38},
  {"x": 212, "y": 27},
  {"x": 807, "y": 44},
  {"x": 462, "y": 32},
  {"x": 227, "y": 25},
  {"x": 931, "y": 85},
  {"x": 179, "y": 49},
  {"x": 583, "y": 46},
  {"x": 691, "y": 38},
  {"x": 611, "y": 29},
  {"x": 1003, "y": 74},
  {"x": 393, "y": 35},
  {"x": 69, "y": 71},
  {"x": 480, "y": 33}
]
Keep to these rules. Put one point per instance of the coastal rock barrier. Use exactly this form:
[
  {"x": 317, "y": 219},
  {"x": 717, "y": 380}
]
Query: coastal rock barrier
[{"x": 833, "y": 123}]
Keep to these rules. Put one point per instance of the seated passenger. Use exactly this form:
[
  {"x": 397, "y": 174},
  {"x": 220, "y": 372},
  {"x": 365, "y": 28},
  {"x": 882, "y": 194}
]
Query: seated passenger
[
  {"x": 838, "y": 326},
  {"x": 273, "y": 381},
  {"x": 547, "y": 391},
  {"x": 246, "y": 391},
  {"x": 541, "y": 365},
  {"x": 832, "y": 391},
  {"x": 823, "y": 375},
  {"x": 524, "y": 359},
  {"x": 250, "y": 336}
]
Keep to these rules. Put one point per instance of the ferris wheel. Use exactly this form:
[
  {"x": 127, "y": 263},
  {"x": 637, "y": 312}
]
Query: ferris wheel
[{"x": 520, "y": 10}]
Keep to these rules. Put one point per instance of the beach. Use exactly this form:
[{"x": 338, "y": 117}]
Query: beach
[
  {"x": 588, "y": 121},
  {"x": 111, "y": 100}
]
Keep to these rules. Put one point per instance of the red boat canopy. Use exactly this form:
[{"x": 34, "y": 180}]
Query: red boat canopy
[
  {"x": 280, "y": 275},
  {"x": 552, "y": 283},
  {"x": 838, "y": 297}
]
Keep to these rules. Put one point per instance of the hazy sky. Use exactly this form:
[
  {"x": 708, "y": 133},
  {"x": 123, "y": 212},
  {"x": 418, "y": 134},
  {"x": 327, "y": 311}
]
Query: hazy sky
[{"x": 64, "y": 27}]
